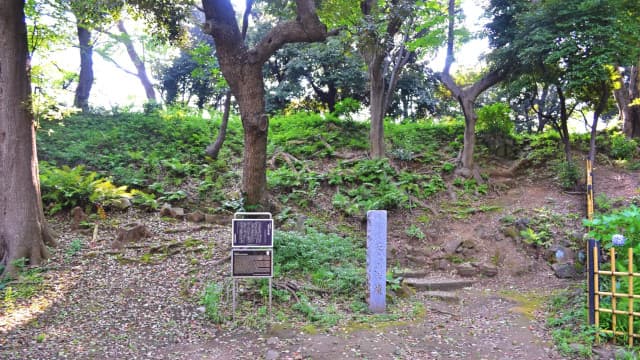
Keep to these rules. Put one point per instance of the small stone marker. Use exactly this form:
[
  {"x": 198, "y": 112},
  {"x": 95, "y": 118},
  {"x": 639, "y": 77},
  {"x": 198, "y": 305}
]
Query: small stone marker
[{"x": 377, "y": 259}]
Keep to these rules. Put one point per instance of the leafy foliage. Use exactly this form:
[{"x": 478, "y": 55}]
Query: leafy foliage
[
  {"x": 64, "y": 188},
  {"x": 331, "y": 262},
  {"x": 309, "y": 134},
  {"x": 604, "y": 228}
]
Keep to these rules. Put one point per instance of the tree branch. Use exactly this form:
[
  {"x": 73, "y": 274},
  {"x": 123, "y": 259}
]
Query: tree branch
[{"x": 306, "y": 28}]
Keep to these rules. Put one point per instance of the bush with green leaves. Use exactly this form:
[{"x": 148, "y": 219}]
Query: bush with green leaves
[
  {"x": 329, "y": 261},
  {"x": 568, "y": 174},
  {"x": 495, "y": 119},
  {"x": 212, "y": 301},
  {"x": 623, "y": 148},
  {"x": 423, "y": 141},
  {"x": 366, "y": 185},
  {"x": 620, "y": 230},
  {"x": 65, "y": 188},
  {"x": 311, "y": 134}
]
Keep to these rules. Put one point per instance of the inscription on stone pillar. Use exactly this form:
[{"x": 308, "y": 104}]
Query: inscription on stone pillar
[{"x": 377, "y": 259}]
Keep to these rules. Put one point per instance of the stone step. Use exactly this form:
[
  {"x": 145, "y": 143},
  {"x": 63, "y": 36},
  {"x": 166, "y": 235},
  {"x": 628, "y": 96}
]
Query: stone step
[
  {"x": 445, "y": 296},
  {"x": 411, "y": 273},
  {"x": 438, "y": 284}
]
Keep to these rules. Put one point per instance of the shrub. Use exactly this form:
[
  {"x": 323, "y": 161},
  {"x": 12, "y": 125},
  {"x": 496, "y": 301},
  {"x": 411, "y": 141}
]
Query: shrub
[
  {"x": 623, "y": 148},
  {"x": 568, "y": 174},
  {"x": 331, "y": 262},
  {"x": 495, "y": 119},
  {"x": 211, "y": 299},
  {"x": 65, "y": 188}
]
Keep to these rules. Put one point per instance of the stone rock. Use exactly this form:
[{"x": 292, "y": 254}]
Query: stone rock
[
  {"x": 130, "y": 233},
  {"x": 77, "y": 217},
  {"x": 522, "y": 224},
  {"x": 445, "y": 296},
  {"x": 604, "y": 353},
  {"x": 178, "y": 213},
  {"x": 196, "y": 216},
  {"x": 424, "y": 284},
  {"x": 442, "y": 264},
  {"x": 487, "y": 270},
  {"x": 483, "y": 232},
  {"x": 451, "y": 246},
  {"x": 300, "y": 224},
  {"x": 272, "y": 355},
  {"x": 216, "y": 219},
  {"x": 272, "y": 341},
  {"x": 165, "y": 210},
  {"x": 511, "y": 232},
  {"x": 121, "y": 203},
  {"x": 466, "y": 270},
  {"x": 564, "y": 271},
  {"x": 558, "y": 254}
]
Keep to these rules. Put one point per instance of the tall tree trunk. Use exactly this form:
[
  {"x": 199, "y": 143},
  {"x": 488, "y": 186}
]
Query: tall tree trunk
[
  {"x": 376, "y": 94},
  {"x": 374, "y": 50},
  {"x": 214, "y": 149},
  {"x": 255, "y": 122},
  {"x": 564, "y": 128},
  {"x": 242, "y": 68},
  {"x": 23, "y": 229},
  {"x": 466, "y": 96},
  {"x": 625, "y": 95},
  {"x": 138, "y": 63},
  {"x": 602, "y": 104},
  {"x": 470, "y": 119},
  {"x": 85, "y": 82}
]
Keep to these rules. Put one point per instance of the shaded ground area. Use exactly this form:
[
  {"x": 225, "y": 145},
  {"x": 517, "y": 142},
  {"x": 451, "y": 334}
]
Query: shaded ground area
[{"x": 141, "y": 304}]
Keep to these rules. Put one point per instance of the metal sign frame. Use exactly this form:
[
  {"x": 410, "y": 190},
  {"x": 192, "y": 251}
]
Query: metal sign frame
[{"x": 261, "y": 217}]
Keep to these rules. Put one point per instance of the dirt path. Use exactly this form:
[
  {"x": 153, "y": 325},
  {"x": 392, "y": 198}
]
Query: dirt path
[{"x": 102, "y": 307}]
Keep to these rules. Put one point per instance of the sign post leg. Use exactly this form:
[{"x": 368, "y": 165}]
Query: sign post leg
[
  {"x": 234, "y": 299},
  {"x": 377, "y": 259},
  {"x": 270, "y": 313}
]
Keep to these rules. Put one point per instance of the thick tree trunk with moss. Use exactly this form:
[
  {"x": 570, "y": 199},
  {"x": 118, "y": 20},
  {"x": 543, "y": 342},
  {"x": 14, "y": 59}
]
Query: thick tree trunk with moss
[
  {"x": 242, "y": 68},
  {"x": 23, "y": 229},
  {"x": 85, "y": 81}
]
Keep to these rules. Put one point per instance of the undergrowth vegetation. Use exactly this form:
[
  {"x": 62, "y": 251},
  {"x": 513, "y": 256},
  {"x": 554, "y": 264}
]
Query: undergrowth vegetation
[{"x": 317, "y": 164}]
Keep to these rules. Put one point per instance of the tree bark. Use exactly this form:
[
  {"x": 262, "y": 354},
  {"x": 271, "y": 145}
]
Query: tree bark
[
  {"x": 374, "y": 51},
  {"x": 138, "y": 63},
  {"x": 625, "y": 95},
  {"x": 85, "y": 81},
  {"x": 564, "y": 127},
  {"x": 242, "y": 68},
  {"x": 23, "y": 229},
  {"x": 376, "y": 94},
  {"x": 600, "y": 107},
  {"x": 214, "y": 149},
  {"x": 466, "y": 96}
]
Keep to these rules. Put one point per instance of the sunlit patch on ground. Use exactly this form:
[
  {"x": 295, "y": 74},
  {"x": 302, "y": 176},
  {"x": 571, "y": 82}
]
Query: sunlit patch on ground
[{"x": 17, "y": 312}]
